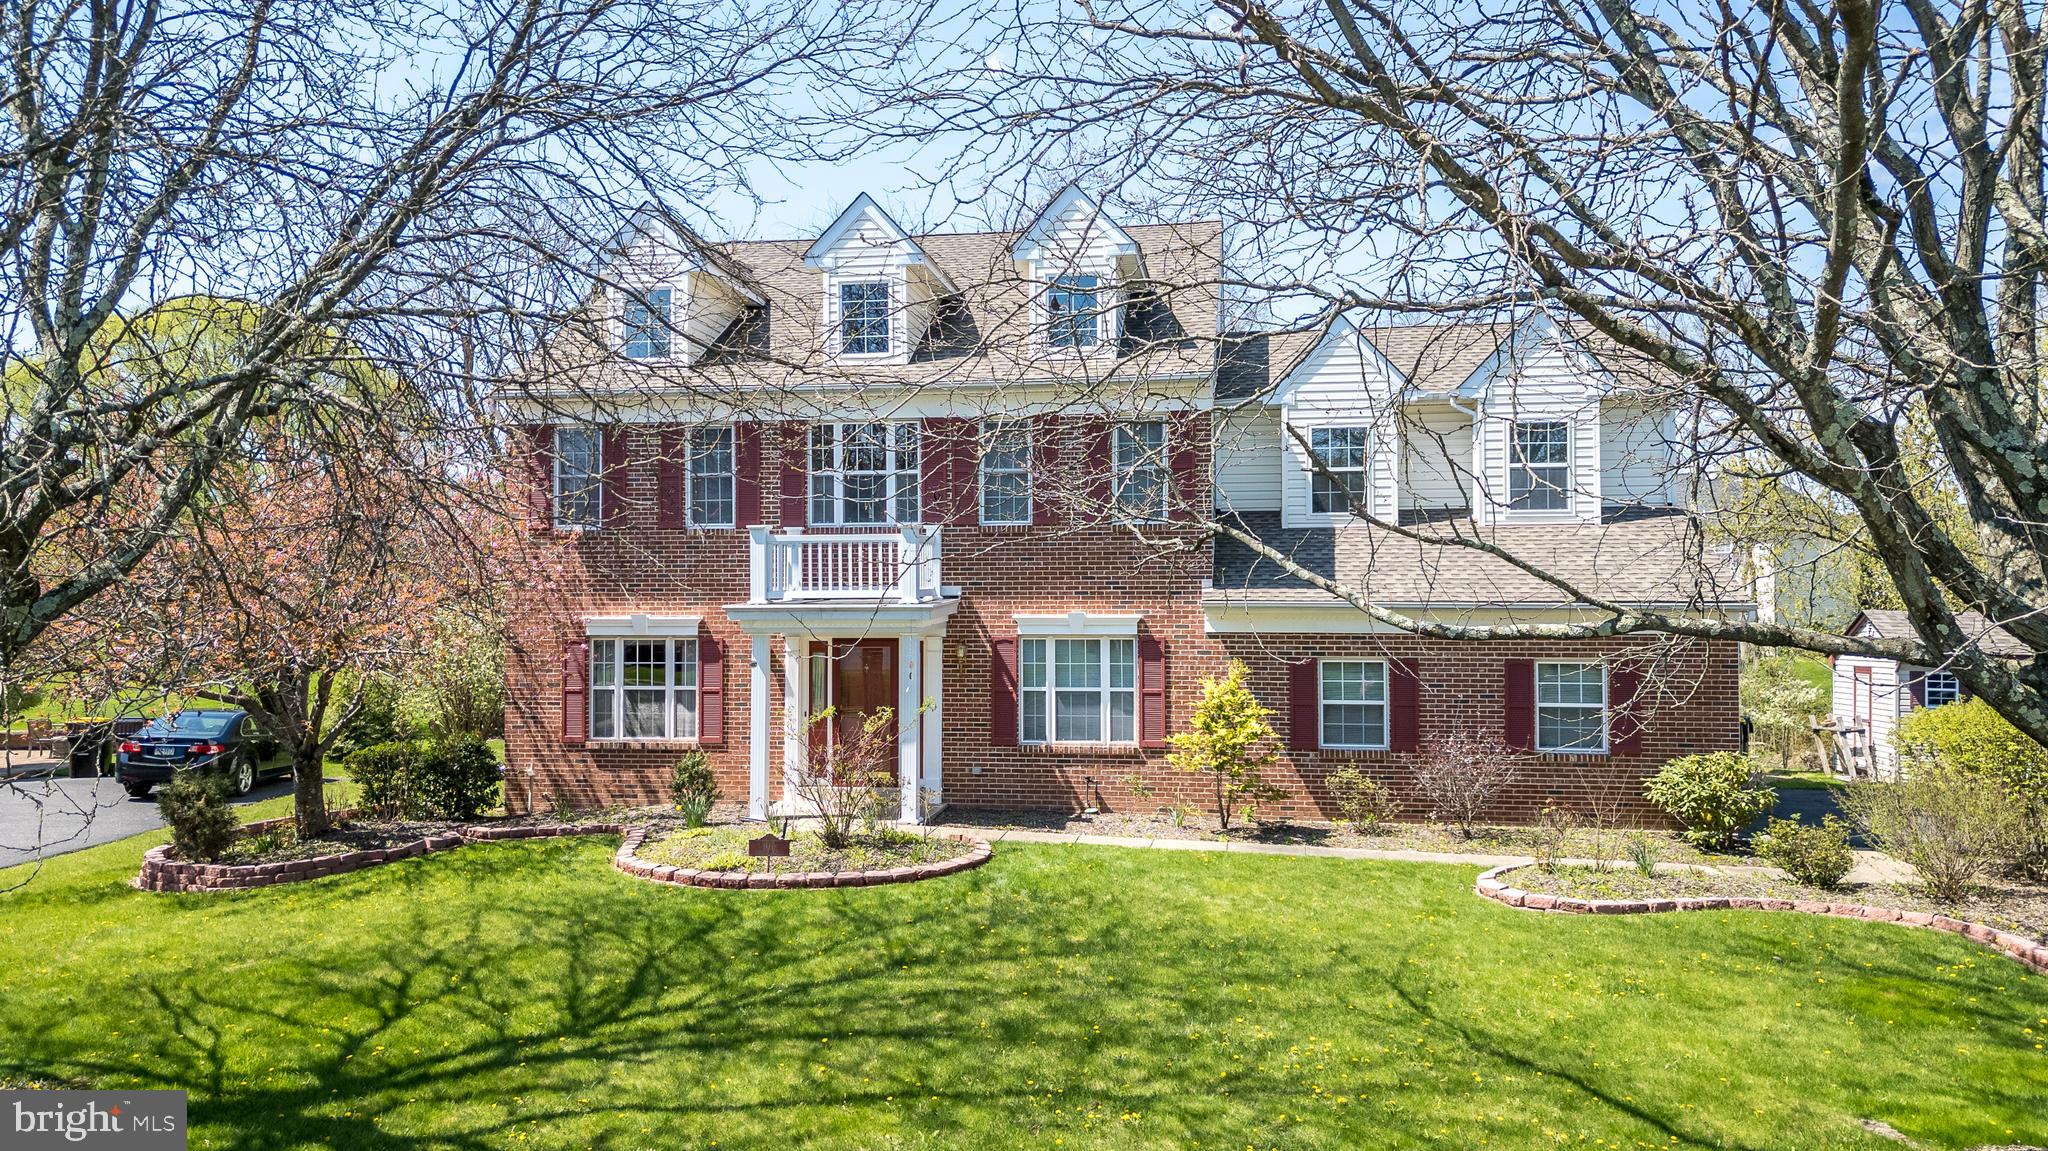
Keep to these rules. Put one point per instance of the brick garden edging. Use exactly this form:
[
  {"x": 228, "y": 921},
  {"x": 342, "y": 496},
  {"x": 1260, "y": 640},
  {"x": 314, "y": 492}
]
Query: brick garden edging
[
  {"x": 162, "y": 873},
  {"x": 2032, "y": 953},
  {"x": 632, "y": 864}
]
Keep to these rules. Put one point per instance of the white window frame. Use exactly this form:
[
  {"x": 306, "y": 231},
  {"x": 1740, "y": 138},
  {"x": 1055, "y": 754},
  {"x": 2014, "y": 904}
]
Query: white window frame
[
  {"x": 990, "y": 431},
  {"x": 1539, "y": 475},
  {"x": 1324, "y": 703},
  {"x": 654, "y": 325},
  {"x": 1046, "y": 695},
  {"x": 902, "y": 481},
  {"x": 1951, "y": 687},
  {"x": 681, "y": 656},
  {"x": 1606, "y": 719},
  {"x": 1097, "y": 317},
  {"x": 839, "y": 328},
  {"x": 1363, "y": 470},
  {"x": 592, "y": 489},
  {"x": 1129, "y": 459},
  {"x": 699, "y": 453}
]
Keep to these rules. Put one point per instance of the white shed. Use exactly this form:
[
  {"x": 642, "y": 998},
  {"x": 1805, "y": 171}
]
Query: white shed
[{"x": 1872, "y": 694}]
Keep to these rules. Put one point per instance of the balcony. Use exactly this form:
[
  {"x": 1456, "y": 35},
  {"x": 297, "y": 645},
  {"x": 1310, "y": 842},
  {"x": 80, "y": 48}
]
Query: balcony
[{"x": 898, "y": 566}]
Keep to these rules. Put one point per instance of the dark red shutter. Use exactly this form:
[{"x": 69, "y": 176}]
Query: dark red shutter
[
  {"x": 576, "y": 692},
  {"x": 746, "y": 475},
  {"x": 1519, "y": 694},
  {"x": 1184, "y": 434},
  {"x": 536, "y": 451},
  {"x": 948, "y": 459},
  {"x": 1916, "y": 683},
  {"x": 1098, "y": 470},
  {"x": 1304, "y": 702},
  {"x": 1045, "y": 470},
  {"x": 967, "y": 474},
  {"x": 1151, "y": 692},
  {"x": 796, "y": 493},
  {"x": 671, "y": 478},
  {"x": 710, "y": 691},
  {"x": 1625, "y": 713},
  {"x": 613, "y": 470},
  {"x": 1002, "y": 699},
  {"x": 1404, "y": 705}
]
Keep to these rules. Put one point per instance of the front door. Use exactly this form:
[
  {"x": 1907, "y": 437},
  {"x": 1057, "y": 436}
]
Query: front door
[{"x": 864, "y": 681}]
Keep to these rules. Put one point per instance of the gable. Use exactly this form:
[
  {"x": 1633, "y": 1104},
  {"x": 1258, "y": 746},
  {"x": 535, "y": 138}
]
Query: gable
[
  {"x": 1344, "y": 371},
  {"x": 1074, "y": 235},
  {"x": 864, "y": 239}
]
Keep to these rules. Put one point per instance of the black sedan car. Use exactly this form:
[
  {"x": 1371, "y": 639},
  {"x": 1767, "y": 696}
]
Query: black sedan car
[{"x": 228, "y": 742}]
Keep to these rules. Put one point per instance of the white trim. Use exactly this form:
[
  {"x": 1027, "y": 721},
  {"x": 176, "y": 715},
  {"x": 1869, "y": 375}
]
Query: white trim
[
  {"x": 641, "y": 624},
  {"x": 596, "y": 520},
  {"x": 1030, "y": 246},
  {"x": 1606, "y": 707},
  {"x": 1223, "y": 615},
  {"x": 986, "y": 431},
  {"x": 1078, "y": 625},
  {"x": 1385, "y": 702}
]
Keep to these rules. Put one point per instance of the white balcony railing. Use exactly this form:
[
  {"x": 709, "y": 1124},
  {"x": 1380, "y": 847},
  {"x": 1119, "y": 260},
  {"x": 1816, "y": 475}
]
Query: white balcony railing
[{"x": 900, "y": 565}]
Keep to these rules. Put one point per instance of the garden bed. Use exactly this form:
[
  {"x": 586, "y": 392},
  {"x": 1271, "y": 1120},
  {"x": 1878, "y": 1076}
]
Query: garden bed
[
  {"x": 716, "y": 856},
  {"x": 268, "y": 853}
]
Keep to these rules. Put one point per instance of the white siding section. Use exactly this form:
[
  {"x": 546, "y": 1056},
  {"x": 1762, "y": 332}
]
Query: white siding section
[
  {"x": 870, "y": 249},
  {"x": 701, "y": 304},
  {"x": 1436, "y": 457},
  {"x": 1343, "y": 383},
  {"x": 1635, "y": 456},
  {"x": 1248, "y": 460},
  {"x": 1538, "y": 376},
  {"x": 1887, "y": 699}
]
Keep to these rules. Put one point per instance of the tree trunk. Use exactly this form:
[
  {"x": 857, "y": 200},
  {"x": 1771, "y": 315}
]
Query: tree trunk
[{"x": 309, "y": 797}]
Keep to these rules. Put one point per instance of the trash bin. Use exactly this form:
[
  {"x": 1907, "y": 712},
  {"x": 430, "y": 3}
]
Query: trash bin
[{"x": 91, "y": 750}]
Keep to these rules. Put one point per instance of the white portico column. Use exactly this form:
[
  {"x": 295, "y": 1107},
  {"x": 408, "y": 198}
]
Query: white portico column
[
  {"x": 757, "y": 731},
  {"x": 909, "y": 759},
  {"x": 934, "y": 717},
  {"x": 796, "y": 707}
]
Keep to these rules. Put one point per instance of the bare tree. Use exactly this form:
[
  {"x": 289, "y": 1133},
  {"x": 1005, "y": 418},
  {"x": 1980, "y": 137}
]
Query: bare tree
[{"x": 1818, "y": 231}]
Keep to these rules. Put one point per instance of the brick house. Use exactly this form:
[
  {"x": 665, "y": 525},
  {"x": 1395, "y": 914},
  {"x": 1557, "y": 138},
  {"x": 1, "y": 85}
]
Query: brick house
[{"x": 968, "y": 477}]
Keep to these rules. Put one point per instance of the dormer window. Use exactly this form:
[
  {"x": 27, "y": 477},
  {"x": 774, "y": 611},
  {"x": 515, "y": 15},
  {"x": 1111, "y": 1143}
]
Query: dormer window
[
  {"x": 1073, "y": 315},
  {"x": 645, "y": 320},
  {"x": 864, "y": 318},
  {"x": 1539, "y": 471},
  {"x": 1342, "y": 452}
]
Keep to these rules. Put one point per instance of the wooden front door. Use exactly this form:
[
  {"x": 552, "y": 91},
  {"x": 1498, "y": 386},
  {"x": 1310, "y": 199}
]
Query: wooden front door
[{"x": 864, "y": 681}]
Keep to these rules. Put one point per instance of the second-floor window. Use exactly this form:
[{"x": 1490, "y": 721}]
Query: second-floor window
[
  {"x": 1072, "y": 312},
  {"x": 578, "y": 489},
  {"x": 1571, "y": 707},
  {"x": 864, "y": 318},
  {"x": 1342, "y": 452},
  {"x": 1077, "y": 690},
  {"x": 643, "y": 689},
  {"x": 1540, "y": 466},
  {"x": 1005, "y": 473},
  {"x": 711, "y": 477},
  {"x": 864, "y": 473},
  {"x": 1940, "y": 687},
  {"x": 1140, "y": 473},
  {"x": 645, "y": 318}
]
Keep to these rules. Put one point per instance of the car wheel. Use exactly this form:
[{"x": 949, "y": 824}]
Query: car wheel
[
  {"x": 245, "y": 775},
  {"x": 136, "y": 790}
]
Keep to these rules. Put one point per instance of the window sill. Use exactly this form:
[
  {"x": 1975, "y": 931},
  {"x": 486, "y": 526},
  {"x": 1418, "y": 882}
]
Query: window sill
[
  {"x": 1083, "y": 748},
  {"x": 1576, "y": 753},
  {"x": 650, "y": 744}
]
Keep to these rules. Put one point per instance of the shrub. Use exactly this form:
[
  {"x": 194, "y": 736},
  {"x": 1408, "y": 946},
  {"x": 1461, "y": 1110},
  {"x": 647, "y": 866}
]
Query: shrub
[
  {"x": 1815, "y": 856},
  {"x": 457, "y": 778},
  {"x": 1461, "y": 775},
  {"x": 1971, "y": 737},
  {"x": 201, "y": 817},
  {"x": 693, "y": 788},
  {"x": 1228, "y": 739},
  {"x": 1953, "y": 827},
  {"x": 1554, "y": 826},
  {"x": 1361, "y": 801},
  {"x": 383, "y": 774},
  {"x": 1713, "y": 796},
  {"x": 376, "y": 720},
  {"x": 1782, "y": 705}
]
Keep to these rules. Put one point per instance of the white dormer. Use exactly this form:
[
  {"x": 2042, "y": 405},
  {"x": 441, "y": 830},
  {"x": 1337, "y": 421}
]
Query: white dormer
[
  {"x": 1536, "y": 435},
  {"x": 669, "y": 296},
  {"x": 1342, "y": 398},
  {"x": 1079, "y": 265},
  {"x": 881, "y": 291}
]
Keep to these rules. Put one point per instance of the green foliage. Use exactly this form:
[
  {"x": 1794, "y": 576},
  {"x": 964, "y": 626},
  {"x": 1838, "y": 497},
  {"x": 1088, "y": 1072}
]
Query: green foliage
[
  {"x": 1362, "y": 801},
  {"x": 693, "y": 788},
  {"x": 1816, "y": 856},
  {"x": 1714, "y": 796},
  {"x": 1970, "y": 737},
  {"x": 1952, "y": 826},
  {"x": 383, "y": 775},
  {"x": 457, "y": 685},
  {"x": 1643, "y": 851},
  {"x": 197, "y": 807},
  {"x": 376, "y": 720},
  {"x": 1782, "y": 702},
  {"x": 453, "y": 778},
  {"x": 1230, "y": 740}
]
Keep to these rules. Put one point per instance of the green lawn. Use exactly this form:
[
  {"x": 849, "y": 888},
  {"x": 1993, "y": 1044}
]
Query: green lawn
[{"x": 526, "y": 995}]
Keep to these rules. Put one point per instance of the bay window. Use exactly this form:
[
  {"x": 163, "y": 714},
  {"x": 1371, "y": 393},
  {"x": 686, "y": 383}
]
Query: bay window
[
  {"x": 1077, "y": 690},
  {"x": 1354, "y": 703},
  {"x": 643, "y": 688},
  {"x": 864, "y": 474},
  {"x": 1571, "y": 707}
]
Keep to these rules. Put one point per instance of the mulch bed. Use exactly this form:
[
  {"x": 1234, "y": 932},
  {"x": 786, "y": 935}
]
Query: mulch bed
[
  {"x": 724, "y": 848},
  {"x": 282, "y": 844}
]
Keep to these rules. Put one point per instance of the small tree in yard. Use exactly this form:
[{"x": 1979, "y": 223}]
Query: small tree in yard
[
  {"x": 1230, "y": 740},
  {"x": 1461, "y": 775},
  {"x": 844, "y": 786},
  {"x": 1782, "y": 705}
]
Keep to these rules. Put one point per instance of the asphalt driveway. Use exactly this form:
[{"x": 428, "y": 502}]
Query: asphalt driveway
[{"x": 40, "y": 818}]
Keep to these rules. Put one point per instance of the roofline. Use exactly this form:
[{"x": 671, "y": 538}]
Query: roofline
[
  {"x": 710, "y": 259},
  {"x": 814, "y": 254},
  {"x": 1030, "y": 235}
]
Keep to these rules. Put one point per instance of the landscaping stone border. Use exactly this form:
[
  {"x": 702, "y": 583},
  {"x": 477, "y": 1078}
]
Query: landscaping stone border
[
  {"x": 632, "y": 864},
  {"x": 162, "y": 873},
  {"x": 2032, "y": 953}
]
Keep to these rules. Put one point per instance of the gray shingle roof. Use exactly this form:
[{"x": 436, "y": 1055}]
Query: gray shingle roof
[{"x": 1888, "y": 624}]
